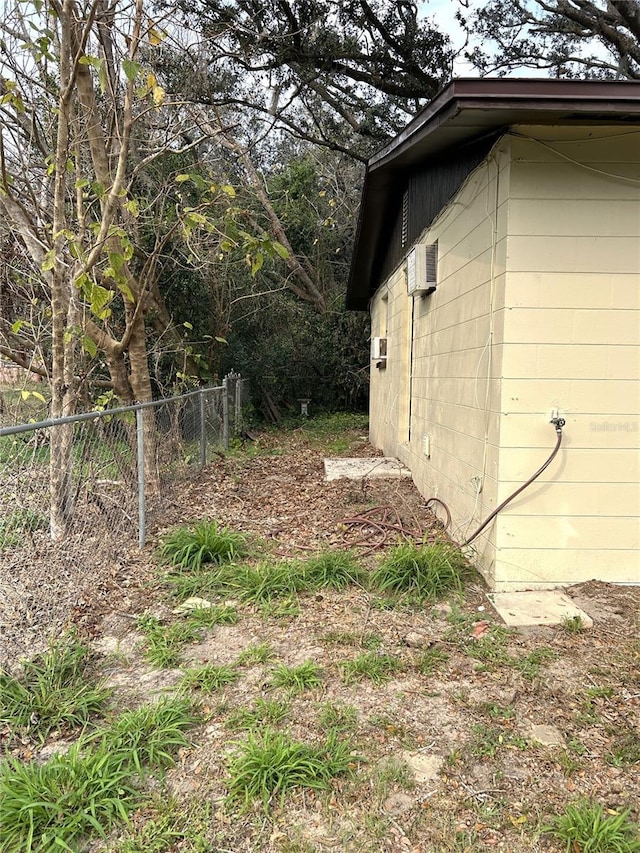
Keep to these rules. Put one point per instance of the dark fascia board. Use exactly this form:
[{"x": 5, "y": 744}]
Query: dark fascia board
[{"x": 463, "y": 111}]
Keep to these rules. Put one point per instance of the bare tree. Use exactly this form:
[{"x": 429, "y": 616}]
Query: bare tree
[
  {"x": 566, "y": 38},
  {"x": 83, "y": 119}
]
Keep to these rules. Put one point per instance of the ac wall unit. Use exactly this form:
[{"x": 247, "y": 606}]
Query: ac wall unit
[
  {"x": 422, "y": 269},
  {"x": 378, "y": 349}
]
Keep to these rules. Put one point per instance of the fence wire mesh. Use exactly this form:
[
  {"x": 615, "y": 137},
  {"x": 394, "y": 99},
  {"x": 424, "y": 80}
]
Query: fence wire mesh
[{"x": 107, "y": 505}]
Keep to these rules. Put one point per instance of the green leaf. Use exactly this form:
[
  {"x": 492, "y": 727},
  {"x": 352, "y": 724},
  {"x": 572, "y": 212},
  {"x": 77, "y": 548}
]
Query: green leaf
[
  {"x": 180, "y": 179},
  {"x": 126, "y": 291},
  {"x": 116, "y": 260},
  {"x": 102, "y": 78},
  {"x": 49, "y": 260},
  {"x": 281, "y": 250},
  {"x": 89, "y": 346},
  {"x": 194, "y": 218},
  {"x": 133, "y": 207},
  {"x": 93, "y": 61},
  {"x": 188, "y": 326},
  {"x": 222, "y": 340},
  {"x": 257, "y": 263},
  {"x": 227, "y": 189},
  {"x": 131, "y": 69}
]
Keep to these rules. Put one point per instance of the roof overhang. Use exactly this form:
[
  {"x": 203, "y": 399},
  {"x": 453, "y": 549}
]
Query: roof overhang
[{"x": 464, "y": 111}]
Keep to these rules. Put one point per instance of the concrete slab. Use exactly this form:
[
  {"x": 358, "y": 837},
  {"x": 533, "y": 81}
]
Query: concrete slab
[
  {"x": 360, "y": 467},
  {"x": 537, "y": 607}
]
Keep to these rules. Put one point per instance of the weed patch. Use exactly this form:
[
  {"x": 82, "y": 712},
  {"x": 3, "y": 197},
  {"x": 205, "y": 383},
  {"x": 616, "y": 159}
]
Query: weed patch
[
  {"x": 203, "y": 542},
  {"x": 376, "y": 667},
  {"x": 297, "y": 679},
  {"x": 269, "y": 764},
  {"x": 487, "y": 741},
  {"x": 585, "y": 827},
  {"x": 337, "y": 717},
  {"x": 264, "y": 712},
  {"x": 423, "y": 572},
  {"x": 152, "y": 734},
  {"x": 335, "y": 569},
  {"x": 209, "y": 617},
  {"x": 431, "y": 660},
  {"x": 170, "y": 825},
  {"x": 268, "y": 581},
  {"x": 15, "y": 525},
  {"x": 164, "y": 643},
  {"x": 254, "y": 655},
  {"x": 55, "y": 691},
  {"x": 45, "y": 808},
  {"x": 209, "y": 678}
]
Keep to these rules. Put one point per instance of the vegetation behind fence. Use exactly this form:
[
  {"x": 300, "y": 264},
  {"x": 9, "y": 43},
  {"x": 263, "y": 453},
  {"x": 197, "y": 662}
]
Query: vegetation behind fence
[{"x": 109, "y": 490}]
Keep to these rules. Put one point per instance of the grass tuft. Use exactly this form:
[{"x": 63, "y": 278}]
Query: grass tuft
[
  {"x": 203, "y": 542},
  {"x": 297, "y": 679},
  {"x": 256, "y": 654},
  {"x": 164, "y": 643},
  {"x": 262, "y": 713},
  {"x": 152, "y": 734},
  {"x": 267, "y": 581},
  {"x": 53, "y": 807},
  {"x": 377, "y": 667},
  {"x": 426, "y": 572},
  {"x": 269, "y": 764},
  {"x": 335, "y": 569},
  {"x": 585, "y": 827},
  {"x": 48, "y": 808},
  {"x": 54, "y": 691},
  {"x": 209, "y": 677}
]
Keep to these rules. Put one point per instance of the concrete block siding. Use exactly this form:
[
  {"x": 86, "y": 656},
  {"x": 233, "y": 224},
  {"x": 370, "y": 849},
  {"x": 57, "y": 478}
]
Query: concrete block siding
[{"x": 537, "y": 307}]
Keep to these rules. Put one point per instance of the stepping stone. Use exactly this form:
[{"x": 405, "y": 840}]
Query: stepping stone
[
  {"x": 537, "y": 607},
  {"x": 360, "y": 467}
]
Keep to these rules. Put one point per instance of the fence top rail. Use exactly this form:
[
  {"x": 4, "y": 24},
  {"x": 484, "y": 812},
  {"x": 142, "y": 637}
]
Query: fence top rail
[{"x": 100, "y": 413}]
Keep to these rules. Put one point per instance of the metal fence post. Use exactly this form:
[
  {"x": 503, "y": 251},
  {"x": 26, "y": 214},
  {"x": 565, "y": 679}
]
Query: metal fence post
[
  {"x": 225, "y": 414},
  {"x": 203, "y": 430},
  {"x": 142, "y": 517},
  {"x": 238, "y": 407}
]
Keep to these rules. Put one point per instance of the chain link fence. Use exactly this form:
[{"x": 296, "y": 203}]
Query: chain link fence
[{"x": 121, "y": 468}]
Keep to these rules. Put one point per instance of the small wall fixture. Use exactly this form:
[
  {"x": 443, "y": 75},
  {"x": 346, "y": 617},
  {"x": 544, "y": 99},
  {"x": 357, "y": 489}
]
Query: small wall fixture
[
  {"x": 422, "y": 269},
  {"x": 379, "y": 349}
]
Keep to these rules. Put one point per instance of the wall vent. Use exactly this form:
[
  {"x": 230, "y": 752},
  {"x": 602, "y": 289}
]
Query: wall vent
[{"x": 422, "y": 269}]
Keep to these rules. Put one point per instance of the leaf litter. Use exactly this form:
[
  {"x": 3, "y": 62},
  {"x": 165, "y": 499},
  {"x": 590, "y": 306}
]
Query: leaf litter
[{"x": 470, "y": 713}]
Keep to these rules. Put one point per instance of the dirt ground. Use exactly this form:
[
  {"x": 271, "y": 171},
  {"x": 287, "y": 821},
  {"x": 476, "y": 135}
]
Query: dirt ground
[{"x": 472, "y": 745}]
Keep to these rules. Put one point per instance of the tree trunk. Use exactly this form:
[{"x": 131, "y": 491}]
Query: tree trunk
[
  {"x": 62, "y": 392},
  {"x": 141, "y": 386}
]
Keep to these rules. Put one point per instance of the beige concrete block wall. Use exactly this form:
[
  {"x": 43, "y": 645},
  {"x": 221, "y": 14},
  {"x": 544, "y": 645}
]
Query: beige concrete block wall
[
  {"x": 539, "y": 266},
  {"x": 572, "y": 341},
  {"x": 444, "y": 353}
]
